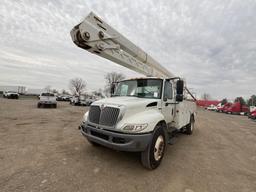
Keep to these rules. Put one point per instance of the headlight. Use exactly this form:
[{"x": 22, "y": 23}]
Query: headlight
[
  {"x": 135, "y": 127},
  {"x": 85, "y": 117}
]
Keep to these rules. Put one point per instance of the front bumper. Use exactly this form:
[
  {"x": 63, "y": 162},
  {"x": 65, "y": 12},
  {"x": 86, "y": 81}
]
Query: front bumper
[
  {"x": 252, "y": 117},
  {"x": 118, "y": 141}
]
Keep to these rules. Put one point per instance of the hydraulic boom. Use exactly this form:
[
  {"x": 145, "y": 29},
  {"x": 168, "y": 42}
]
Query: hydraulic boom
[{"x": 96, "y": 36}]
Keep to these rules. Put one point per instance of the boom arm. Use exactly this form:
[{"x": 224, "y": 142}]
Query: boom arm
[{"x": 96, "y": 36}]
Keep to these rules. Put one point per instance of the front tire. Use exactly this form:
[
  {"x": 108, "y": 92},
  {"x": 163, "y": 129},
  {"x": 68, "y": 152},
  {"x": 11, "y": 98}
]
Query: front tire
[
  {"x": 153, "y": 155},
  {"x": 190, "y": 127}
]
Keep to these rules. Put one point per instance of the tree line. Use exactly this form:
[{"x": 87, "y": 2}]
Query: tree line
[
  {"x": 250, "y": 102},
  {"x": 77, "y": 86}
]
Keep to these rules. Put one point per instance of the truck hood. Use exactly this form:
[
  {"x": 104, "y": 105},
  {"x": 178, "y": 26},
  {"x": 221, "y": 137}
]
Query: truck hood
[{"x": 128, "y": 105}]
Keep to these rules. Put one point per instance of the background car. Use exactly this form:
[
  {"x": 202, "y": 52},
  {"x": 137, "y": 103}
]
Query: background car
[
  {"x": 63, "y": 97},
  {"x": 47, "y": 100},
  {"x": 11, "y": 95},
  {"x": 212, "y": 108}
]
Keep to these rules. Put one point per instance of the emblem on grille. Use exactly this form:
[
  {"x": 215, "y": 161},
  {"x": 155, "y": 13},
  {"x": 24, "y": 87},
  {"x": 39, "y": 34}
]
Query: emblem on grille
[{"x": 102, "y": 107}]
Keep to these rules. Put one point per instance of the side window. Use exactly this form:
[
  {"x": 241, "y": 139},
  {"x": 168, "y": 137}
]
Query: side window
[{"x": 168, "y": 90}]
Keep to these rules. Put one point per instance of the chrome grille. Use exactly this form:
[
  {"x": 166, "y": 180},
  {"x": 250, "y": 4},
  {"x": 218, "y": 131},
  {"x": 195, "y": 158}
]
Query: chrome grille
[
  {"x": 94, "y": 114},
  {"x": 107, "y": 116}
]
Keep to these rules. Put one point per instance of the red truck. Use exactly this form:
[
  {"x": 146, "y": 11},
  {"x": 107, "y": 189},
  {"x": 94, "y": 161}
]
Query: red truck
[
  {"x": 223, "y": 108},
  {"x": 252, "y": 115},
  {"x": 238, "y": 108}
]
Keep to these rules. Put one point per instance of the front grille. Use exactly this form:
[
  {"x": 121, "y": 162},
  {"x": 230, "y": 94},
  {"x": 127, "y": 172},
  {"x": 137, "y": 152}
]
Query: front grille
[
  {"x": 94, "y": 114},
  {"x": 106, "y": 117}
]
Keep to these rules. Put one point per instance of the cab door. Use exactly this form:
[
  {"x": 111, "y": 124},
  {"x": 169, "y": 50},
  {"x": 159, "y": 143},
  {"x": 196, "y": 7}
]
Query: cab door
[{"x": 168, "y": 102}]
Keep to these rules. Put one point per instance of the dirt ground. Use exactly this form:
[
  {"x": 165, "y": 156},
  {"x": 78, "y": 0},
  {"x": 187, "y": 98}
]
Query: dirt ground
[{"x": 42, "y": 150}]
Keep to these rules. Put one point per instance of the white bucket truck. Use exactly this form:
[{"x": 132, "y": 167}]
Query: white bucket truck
[{"x": 143, "y": 113}]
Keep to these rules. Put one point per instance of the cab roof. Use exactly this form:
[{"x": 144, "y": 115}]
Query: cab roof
[{"x": 137, "y": 78}]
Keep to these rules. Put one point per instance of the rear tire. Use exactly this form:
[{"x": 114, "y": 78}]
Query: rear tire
[
  {"x": 190, "y": 127},
  {"x": 153, "y": 155},
  {"x": 38, "y": 105}
]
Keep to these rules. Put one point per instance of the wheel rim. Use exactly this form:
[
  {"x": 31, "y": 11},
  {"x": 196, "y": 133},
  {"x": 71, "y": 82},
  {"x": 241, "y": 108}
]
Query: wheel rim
[{"x": 159, "y": 148}]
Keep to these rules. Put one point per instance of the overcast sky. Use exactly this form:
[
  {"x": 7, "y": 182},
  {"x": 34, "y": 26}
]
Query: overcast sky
[{"x": 210, "y": 43}]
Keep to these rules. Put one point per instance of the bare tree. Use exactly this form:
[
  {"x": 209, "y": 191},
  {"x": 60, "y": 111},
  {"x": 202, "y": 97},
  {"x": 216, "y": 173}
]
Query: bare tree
[
  {"x": 206, "y": 96},
  {"x": 224, "y": 101},
  {"x": 240, "y": 100},
  {"x": 252, "y": 101},
  {"x": 48, "y": 88},
  {"x": 112, "y": 77},
  {"x": 55, "y": 91},
  {"x": 64, "y": 92},
  {"x": 77, "y": 86}
]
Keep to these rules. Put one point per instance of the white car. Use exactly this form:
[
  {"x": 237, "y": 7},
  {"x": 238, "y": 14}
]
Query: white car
[
  {"x": 11, "y": 95},
  {"x": 78, "y": 100},
  {"x": 47, "y": 99},
  {"x": 212, "y": 107}
]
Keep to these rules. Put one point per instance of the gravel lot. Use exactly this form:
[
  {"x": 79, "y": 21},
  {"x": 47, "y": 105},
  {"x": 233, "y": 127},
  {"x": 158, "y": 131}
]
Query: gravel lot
[{"x": 42, "y": 150}]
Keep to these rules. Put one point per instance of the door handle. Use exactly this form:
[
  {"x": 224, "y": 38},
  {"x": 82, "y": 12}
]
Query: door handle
[{"x": 166, "y": 104}]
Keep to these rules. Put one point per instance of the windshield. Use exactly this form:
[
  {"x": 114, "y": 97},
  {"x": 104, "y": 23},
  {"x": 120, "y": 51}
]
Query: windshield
[
  {"x": 48, "y": 94},
  {"x": 145, "y": 88}
]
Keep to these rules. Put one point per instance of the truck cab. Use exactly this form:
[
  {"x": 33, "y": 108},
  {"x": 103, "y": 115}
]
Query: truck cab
[
  {"x": 141, "y": 116},
  {"x": 237, "y": 108},
  {"x": 252, "y": 115},
  {"x": 225, "y": 107}
]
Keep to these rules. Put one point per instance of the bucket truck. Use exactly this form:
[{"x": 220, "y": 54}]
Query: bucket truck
[{"x": 143, "y": 114}]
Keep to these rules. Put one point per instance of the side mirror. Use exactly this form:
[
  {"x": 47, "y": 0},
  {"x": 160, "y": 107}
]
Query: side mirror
[
  {"x": 179, "y": 98},
  {"x": 179, "y": 90},
  {"x": 112, "y": 89}
]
